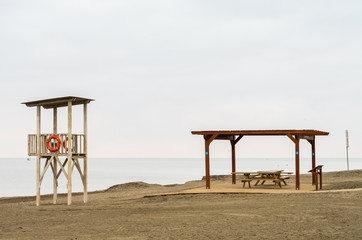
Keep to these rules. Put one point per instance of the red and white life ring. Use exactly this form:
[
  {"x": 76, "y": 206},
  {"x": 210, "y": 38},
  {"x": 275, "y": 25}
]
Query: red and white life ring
[
  {"x": 65, "y": 145},
  {"x": 58, "y": 143}
]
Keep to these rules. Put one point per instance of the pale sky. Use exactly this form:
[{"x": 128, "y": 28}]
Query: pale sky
[{"x": 160, "y": 69}]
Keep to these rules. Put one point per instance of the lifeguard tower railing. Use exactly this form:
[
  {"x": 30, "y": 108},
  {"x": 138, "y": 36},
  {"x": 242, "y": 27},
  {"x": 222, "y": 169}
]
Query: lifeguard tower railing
[{"x": 77, "y": 144}]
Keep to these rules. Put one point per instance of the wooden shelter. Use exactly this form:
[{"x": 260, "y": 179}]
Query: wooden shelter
[
  {"x": 235, "y": 136},
  {"x": 71, "y": 147}
]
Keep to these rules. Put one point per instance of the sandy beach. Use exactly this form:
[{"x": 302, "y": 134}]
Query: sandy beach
[{"x": 145, "y": 211}]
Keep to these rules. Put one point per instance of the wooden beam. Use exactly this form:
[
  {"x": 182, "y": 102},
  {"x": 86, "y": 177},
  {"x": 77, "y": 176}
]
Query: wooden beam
[
  {"x": 261, "y": 132},
  {"x": 85, "y": 159},
  {"x": 55, "y": 121},
  {"x": 297, "y": 164},
  {"x": 69, "y": 185},
  {"x": 233, "y": 162},
  {"x": 224, "y": 137},
  {"x": 38, "y": 116},
  {"x": 312, "y": 142},
  {"x": 292, "y": 138},
  {"x": 54, "y": 171},
  {"x": 233, "y": 158},
  {"x": 207, "y": 164},
  {"x": 210, "y": 138},
  {"x": 307, "y": 137},
  {"x": 46, "y": 166},
  {"x": 79, "y": 170},
  {"x": 238, "y": 138},
  {"x": 62, "y": 169},
  {"x": 72, "y": 168},
  {"x": 54, "y": 165},
  {"x": 29, "y": 144}
]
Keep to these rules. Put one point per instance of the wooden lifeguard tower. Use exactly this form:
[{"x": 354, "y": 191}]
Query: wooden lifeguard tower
[{"x": 59, "y": 149}]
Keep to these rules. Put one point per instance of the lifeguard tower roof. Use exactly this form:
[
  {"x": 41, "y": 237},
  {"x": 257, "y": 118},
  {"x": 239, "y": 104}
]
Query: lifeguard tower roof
[{"x": 58, "y": 102}]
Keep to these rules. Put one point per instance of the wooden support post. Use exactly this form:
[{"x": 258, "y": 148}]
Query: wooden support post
[
  {"x": 70, "y": 160},
  {"x": 320, "y": 178},
  {"x": 295, "y": 139},
  {"x": 233, "y": 164},
  {"x": 38, "y": 116},
  {"x": 207, "y": 164},
  {"x": 297, "y": 164},
  {"x": 233, "y": 159},
  {"x": 85, "y": 182},
  {"x": 313, "y": 158},
  {"x": 208, "y": 140},
  {"x": 55, "y": 169}
]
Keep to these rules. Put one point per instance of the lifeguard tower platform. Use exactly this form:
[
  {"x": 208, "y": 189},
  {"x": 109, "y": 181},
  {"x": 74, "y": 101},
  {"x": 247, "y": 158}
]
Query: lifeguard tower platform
[{"x": 63, "y": 150}]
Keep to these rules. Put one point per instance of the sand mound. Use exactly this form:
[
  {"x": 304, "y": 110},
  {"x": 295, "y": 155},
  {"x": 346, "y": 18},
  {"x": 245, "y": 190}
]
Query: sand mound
[
  {"x": 131, "y": 186},
  {"x": 343, "y": 185},
  {"x": 218, "y": 177}
]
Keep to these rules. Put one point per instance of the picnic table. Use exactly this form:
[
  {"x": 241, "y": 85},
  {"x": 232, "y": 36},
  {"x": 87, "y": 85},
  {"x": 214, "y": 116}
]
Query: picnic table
[{"x": 277, "y": 176}]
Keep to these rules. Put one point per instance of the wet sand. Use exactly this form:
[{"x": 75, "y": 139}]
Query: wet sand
[{"x": 145, "y": 211}]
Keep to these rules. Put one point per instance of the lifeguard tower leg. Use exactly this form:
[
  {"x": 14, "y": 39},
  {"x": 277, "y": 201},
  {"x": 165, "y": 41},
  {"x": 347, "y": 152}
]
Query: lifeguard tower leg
[
  {"x": 85, "y": 159},
  {"x": 55, "y": 165},
  {"x": 70, "y": 160},
  {"x": 38, "y": 116}
]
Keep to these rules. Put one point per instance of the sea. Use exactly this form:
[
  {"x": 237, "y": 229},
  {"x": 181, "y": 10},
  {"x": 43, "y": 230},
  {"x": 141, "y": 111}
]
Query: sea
[{"x": 17, "y": 175}]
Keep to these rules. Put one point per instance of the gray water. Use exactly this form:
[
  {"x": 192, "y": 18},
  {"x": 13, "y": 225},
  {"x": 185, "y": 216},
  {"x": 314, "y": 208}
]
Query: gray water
[{"x": 17, "y": 175}]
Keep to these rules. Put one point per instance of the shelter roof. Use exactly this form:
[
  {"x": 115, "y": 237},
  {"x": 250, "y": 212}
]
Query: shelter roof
[
  {"x": 306, "y": 132},
  {"x": 58, "y": 102}
]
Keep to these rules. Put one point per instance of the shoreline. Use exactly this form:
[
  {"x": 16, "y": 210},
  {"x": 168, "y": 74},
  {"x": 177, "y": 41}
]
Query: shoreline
[{"x": 213, "y": 178}]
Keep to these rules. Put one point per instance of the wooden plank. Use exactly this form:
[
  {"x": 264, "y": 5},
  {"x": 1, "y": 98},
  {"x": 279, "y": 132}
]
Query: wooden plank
[
  {"x": 46, "y": 166},
  {"x": 244, "y": 173},
  {"x": 79, "y": 170},
  {"x": 32, "y": 150},
  {"x": 29, "y": 144},
  {"x": 55, "y": 181},
  {"x": 73, "y": 163},
  {"x": 62, "y": 167}
]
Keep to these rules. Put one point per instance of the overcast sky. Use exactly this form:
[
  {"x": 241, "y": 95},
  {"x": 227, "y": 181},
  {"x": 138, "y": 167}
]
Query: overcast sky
[{"x": 159, "y": 69}]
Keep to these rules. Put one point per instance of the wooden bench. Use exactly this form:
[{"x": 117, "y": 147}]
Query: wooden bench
[
  {"x": 244, "y": 180},
  {"x": 283, "y": 178},
  {"x": 263, "y": 179},
  {"x": 246, "y": 177}
]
